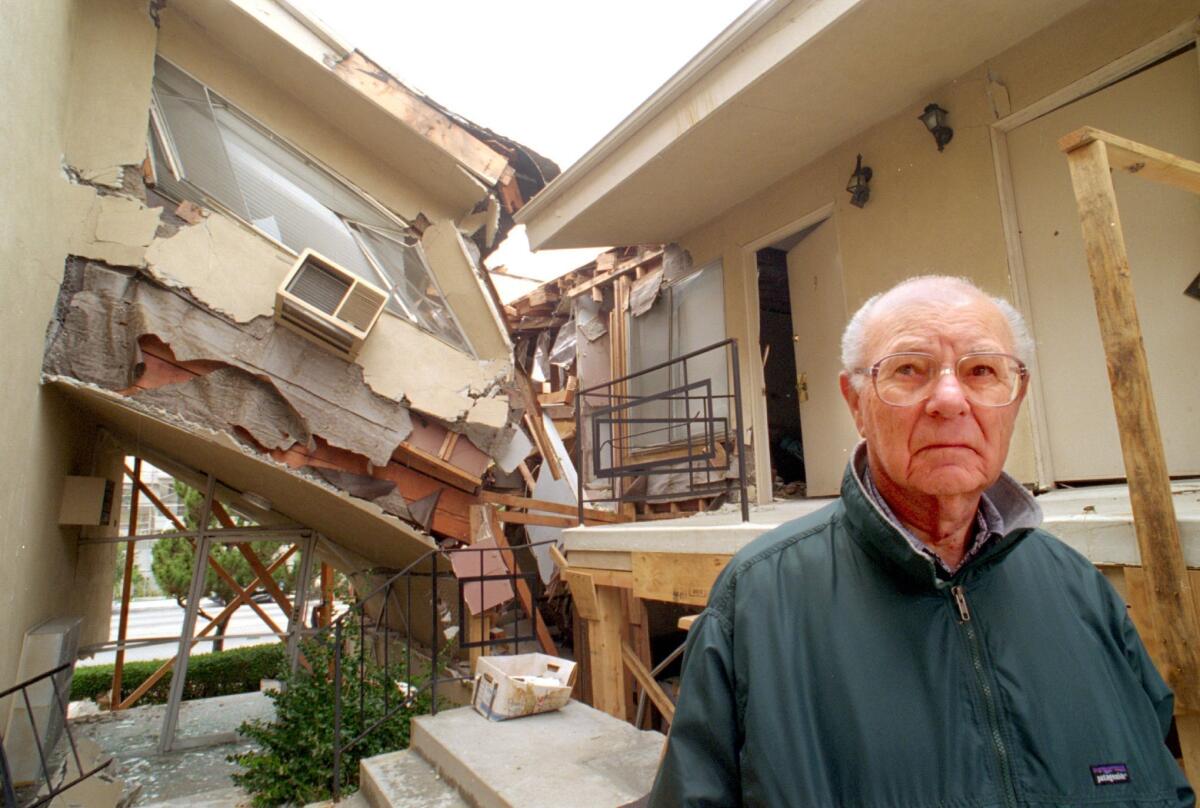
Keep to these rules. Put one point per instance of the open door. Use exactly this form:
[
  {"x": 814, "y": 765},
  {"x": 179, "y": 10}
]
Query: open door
[{"x": 818, "y": 304}]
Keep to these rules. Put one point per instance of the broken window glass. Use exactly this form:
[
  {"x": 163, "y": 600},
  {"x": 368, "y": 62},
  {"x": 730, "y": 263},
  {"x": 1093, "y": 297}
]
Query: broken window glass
[{"x": 207, "y": 152}]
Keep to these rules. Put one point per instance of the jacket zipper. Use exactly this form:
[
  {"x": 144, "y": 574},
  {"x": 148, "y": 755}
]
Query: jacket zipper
[{"x": 985, "y": 688}]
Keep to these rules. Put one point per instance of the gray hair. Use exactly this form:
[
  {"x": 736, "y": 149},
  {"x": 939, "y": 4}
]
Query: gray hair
[{"x": 854, "y": 338}]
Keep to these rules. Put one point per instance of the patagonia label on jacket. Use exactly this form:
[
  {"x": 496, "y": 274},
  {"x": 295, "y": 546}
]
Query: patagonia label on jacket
[{"x": 1110, "y": 774}]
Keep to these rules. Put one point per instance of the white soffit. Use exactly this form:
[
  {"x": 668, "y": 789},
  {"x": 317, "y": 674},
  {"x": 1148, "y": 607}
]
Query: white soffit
[{"x": 816, "y": 74}]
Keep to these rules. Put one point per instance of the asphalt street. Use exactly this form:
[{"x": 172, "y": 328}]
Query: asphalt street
[{"x": 163, "y": 617}]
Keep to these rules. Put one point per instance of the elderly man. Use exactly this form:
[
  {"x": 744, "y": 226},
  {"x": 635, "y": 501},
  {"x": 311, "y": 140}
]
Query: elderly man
[{"x": 920, "y": 642}]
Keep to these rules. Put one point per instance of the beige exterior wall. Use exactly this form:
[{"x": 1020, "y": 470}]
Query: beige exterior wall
[
  {"x": 50, "y": 51},
  {"x": 929, "y": 212}
]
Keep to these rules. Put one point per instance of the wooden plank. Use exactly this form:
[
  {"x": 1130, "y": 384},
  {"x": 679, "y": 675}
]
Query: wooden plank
[
  {"x": 524, "y": 594},
  {"x": 1168, "y": 586},
  {"x": 1137, "y": 158},
  {"x": 1138, "y": 600},
  {"x": 256, "y": 565},
  {"x": 583, "y": 593},
  {"x": 601, "y": 559},
  {"x": 686, "y": 621},
  {"x": 479, "y": 628},
  {"x": 376, "y": 84},
  {"x": 604, "y": 654},
  {"x": 126, "y": 586},
  {"x": 676, "y": 577},
  {"x": 229, "y": 609},
  {"x": 514, "y": 501},
  {"x": 519, "y": 518},
  {"x": 653, "y": 689}
]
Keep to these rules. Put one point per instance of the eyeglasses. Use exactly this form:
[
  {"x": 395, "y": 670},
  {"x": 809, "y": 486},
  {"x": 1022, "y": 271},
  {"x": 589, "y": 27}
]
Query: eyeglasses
[{"x": 986, "y": 379}]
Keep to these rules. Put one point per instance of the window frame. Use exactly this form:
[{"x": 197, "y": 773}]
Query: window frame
[{"x": 159, "y": 134}]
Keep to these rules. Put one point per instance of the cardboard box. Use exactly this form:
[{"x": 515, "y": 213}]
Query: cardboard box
[{"x": 524, "y": 684}]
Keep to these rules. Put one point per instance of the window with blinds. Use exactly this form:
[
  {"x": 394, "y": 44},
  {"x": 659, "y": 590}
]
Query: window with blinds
[{"x": 208, "y": 152}]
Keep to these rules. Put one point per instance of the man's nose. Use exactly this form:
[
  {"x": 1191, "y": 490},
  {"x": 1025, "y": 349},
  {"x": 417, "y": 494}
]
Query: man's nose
[{"x": 948, "y": 398}]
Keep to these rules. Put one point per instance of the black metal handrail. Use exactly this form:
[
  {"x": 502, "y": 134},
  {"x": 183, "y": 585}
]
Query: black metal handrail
[
  {"x": 426, "y": 566},
  {"x": 9, "y": 787},
  {"x": 615, "y": 426}
]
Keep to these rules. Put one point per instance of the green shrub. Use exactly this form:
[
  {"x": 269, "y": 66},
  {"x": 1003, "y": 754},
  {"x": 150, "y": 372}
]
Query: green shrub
[
  {"x": 237, "y": 670},
  {"x": 294, "y": 761}
]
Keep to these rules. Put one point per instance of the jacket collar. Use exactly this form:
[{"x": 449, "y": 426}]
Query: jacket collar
[{"x": 883, "y": 538}]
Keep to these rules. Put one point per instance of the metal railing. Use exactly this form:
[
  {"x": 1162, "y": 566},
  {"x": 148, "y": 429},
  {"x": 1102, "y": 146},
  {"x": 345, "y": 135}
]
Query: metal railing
[
  {"x": 361, "y": 623},
  {"x": 670, "y": 419},
  {"x": 41, "y": 743}
]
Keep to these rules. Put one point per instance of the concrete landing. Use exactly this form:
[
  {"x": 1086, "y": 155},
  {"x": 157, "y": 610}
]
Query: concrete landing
[
  {"x": 576, "y": 756},
  {"x": 403, "y": 779}
]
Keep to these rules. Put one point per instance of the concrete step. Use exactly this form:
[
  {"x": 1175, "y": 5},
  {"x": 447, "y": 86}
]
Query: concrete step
[
  {"x": 402, "y": 779},
  {"x": 575, "y": 756}
]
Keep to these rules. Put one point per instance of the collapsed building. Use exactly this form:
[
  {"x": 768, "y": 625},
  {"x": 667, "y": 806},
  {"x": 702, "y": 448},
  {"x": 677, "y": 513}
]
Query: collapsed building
[{"x": 259, "y": 256}]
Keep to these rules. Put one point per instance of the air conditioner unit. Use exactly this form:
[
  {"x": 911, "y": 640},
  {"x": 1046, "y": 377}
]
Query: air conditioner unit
[{"x": 328, "y": 305}]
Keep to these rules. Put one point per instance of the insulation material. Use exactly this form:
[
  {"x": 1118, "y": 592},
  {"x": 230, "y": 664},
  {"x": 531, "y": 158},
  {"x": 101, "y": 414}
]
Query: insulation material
[
  {"x": 548, "y": 489},
  {"x": 540, "y": 372},
  {"x": 645, "y": 292},
  {"x": 591, "y": 323},
  {"x": 563, "y": 351},
  {"x": 514, "y": 451},
  {"x": 206, "y": 257}
]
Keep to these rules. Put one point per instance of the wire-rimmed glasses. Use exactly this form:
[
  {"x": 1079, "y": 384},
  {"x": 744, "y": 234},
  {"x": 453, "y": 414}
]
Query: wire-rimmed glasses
[{"x": 987, "y": 379}]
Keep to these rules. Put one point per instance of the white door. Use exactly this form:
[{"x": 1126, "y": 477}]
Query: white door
[
  {"x": 818, "y": 317},
  {"x": 1159, "y": 107}
]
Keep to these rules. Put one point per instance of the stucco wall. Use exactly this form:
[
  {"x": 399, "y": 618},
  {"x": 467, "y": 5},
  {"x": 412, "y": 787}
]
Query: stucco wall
[
  {"x": 929, "y": 211},
  {"x": 42, "y": 572}
]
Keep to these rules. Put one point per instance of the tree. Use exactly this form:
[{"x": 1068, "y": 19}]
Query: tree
[{"x": 174, "y": 561}]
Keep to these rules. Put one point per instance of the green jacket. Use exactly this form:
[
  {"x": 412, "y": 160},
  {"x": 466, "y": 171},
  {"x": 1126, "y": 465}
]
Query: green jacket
[{"x": 834, "y": 668}]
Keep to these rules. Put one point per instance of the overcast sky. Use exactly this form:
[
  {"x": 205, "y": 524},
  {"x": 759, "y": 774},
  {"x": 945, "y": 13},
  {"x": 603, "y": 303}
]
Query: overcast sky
[{"x": 556, "y": 75}]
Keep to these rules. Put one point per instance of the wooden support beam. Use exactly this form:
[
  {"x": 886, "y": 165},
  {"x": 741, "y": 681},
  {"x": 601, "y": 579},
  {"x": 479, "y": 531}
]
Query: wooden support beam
[
  {"x": 583, "y": 593},
  {"x": 149, "y": 494},
  {"x": 229, "y": 609},
  {"x": 676, "y": 577},
  {"x": 1167, "y": 582},
  {"x": 653, "y": 689},
  {"x": 513, "y": 501},
  {"x": 260, "y": 569},
  {"x": 126, "y": 585},
  {"x": 520, "y": 518},
  {"x": 524, "y": 593},
  {"x": 604, "y": 653},
  {"x": 326, "y": 595}
]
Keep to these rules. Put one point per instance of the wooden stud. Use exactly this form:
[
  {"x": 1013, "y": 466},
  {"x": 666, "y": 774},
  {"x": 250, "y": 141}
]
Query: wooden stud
[
  {"x": 126, "y": 587},
  {"x": 512, "y": 501},
  {"x": 683, "y": 578},
  {"x": 524, "y": 594},
  {"x": 1155, "y": 525},
  {"x": 604, "y": 653},
  {"x": 685, "y": 622},
  {"x": 583, "y": 594},
  {"x": 479, "y": 628},
  {"x": 641, "y": 673}
]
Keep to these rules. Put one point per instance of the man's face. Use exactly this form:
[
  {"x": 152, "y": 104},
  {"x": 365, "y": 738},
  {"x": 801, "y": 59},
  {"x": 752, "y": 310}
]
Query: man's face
[{"x": 944, "y": 445}]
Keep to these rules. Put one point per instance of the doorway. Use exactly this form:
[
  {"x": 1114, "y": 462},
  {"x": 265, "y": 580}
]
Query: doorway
[{"x": 802, "y": 312}]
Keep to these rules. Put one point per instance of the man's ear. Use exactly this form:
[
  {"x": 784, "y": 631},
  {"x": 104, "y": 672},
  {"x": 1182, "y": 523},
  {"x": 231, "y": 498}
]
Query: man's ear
[{"x": 853, "y": 399}]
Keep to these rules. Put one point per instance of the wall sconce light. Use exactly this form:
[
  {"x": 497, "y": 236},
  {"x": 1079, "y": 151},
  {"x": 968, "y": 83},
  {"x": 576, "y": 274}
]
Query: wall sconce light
[
  {"x": 934, "y": 118},
  {"x": 857, "y": 186}
]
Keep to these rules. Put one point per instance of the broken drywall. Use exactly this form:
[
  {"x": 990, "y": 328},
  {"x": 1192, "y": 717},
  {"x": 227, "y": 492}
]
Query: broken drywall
[
  {"x": 109, "y": 311},
  {"x": 223, "y": 264},
  {"x": 110, "y": 228},
  {"x": 112, "y": 65},
  {"x": 486, "y": 422},
  {"x": 232, "y": 397},
  {"x": 437, "y": 379}
]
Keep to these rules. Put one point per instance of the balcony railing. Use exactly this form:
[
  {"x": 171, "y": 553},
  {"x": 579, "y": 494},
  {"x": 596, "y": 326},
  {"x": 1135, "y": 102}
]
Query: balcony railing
[
  {"x": 57, "y": 681},
  {"x": 665, "y": 432}
]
